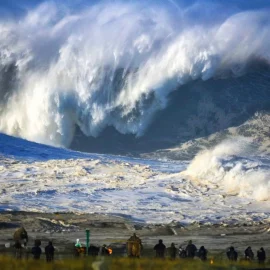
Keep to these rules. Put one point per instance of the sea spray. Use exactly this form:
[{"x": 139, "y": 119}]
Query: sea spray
[
  {"x": 234, "y": 167},
  {"x": 115, "y": 63}
]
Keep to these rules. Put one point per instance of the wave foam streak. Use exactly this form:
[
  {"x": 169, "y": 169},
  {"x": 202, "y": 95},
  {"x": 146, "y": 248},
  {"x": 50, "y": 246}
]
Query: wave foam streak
[{"x": 114, "y": 64}]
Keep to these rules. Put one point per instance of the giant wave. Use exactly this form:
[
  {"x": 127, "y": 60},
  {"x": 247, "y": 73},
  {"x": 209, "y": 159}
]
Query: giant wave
[
  {"x": 165, "y": 79},
  {"x": 125, "y": 77}
]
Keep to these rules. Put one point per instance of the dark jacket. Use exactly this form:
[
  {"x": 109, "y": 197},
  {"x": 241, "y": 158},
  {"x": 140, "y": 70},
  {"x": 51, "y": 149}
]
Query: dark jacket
[
  {"x": 160, "y": 250},
  {"x": 191, "y": 250},
  {"x": 202, "y": 254},
  {"x": 49, "y": 251},
  {"x": 232, "y": 254},
  {"x": 249, "y": 255},
  {"x": 261, "y": 255},
  {"x": 36, "y": 251}
]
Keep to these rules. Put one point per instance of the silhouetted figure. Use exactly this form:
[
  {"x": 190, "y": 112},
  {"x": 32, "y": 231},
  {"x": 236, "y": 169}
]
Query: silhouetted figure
[
  {"x": 261, "y": 256},
  {"x": 160, "y": 249},
  {"x": 172, "y": 251},
  {"x": 202, "y": 254},
  {"x": 191, "y": 250},
  {"x": 249, "y": 255},
  {"x": 18, "y": 249},
  {"x": 36, "y": 250},
  {"x": 232, "y": 254},
  {"x": 49, "y": 251},
  {"x": 21, "y": 236},
  {"x": 134, "y": 246},
  {"x": 182, "y": 252}
]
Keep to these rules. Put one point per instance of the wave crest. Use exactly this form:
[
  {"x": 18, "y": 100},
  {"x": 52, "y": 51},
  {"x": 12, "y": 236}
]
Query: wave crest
[
  {"x": 114, "y": 64},
  {"x": 233, "y": 166}
]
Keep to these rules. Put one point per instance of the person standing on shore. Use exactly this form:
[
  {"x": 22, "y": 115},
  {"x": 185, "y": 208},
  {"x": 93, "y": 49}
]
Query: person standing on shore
[
  {"x": 232, "y": 254},
  {"x": 36, "y": 250},
  {"x": 202, "y": 254},
  {"x": 249, "y": 255},
  {"x": 160, "y": 249},
  {"x": 172, "y": 251},
  {"x": 261, "y": 255},
  {"x": 191, "y": 250},
  {"x": 49, "y": 251},
  {"x": 134, "y": 246}
]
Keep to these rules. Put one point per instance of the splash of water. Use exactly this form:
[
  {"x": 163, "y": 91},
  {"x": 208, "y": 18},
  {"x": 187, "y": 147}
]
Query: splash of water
[
  {"x": 114, "y": 64},
  {"x": 233, "y": 166}
]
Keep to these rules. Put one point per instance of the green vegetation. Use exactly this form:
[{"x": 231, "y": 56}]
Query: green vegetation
[{"x": 8, "y": 263}]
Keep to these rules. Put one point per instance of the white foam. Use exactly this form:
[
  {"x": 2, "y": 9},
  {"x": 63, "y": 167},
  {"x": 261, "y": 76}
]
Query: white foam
[
  {"x": 144, "y": 190},
  {"x": 234, "y": 166},
  {"x": 67, "y": 62}
]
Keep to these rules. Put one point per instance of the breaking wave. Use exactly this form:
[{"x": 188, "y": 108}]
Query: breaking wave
[
  {"x": 165, "y": 78},
  {"x": 128, "y": 66},
  {"x": 235, "y": 166}
]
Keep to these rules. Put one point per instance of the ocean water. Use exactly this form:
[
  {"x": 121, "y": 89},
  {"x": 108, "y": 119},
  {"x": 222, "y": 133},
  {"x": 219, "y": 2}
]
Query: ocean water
[{"x": 179, "y": 89}]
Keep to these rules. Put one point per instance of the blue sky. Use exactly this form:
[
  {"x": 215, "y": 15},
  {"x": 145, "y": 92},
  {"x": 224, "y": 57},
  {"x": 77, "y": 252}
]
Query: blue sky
[
  {"x": 16, "y": 7},
  {"x": 28, "y": 3}
]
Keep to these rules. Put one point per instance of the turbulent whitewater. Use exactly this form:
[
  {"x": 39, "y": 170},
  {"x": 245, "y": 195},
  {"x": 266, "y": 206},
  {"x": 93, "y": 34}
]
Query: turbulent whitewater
[
  {"x": 181, "y": 80},
  {"x": 36, "y": 177},
  {"x": 118, "y": 65}
]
